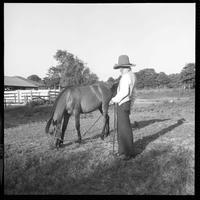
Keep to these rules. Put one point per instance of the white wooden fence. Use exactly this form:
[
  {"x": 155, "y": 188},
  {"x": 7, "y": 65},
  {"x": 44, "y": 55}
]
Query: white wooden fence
[{"x": 23, "y": 96}]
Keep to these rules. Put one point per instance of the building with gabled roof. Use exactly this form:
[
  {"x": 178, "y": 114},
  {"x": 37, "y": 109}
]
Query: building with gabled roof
[{"x": 15, "y": 83}]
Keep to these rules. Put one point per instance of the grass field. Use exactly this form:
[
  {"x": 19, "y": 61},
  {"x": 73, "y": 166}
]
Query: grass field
[{"x": 163, "y": 141}]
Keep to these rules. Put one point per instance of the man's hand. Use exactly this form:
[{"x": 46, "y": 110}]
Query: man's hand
[{"x": 113, "y": 100}]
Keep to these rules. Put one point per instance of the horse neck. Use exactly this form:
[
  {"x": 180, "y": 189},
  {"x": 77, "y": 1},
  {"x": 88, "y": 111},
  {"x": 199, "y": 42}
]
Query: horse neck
[{"x": 59, "y": 106}]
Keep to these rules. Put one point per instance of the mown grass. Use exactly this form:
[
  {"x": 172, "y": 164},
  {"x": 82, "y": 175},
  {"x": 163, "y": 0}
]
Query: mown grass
[
  {"x": 163, "y": 141},
  {"x": 164, "y": 92},
  {"x": 15, "y": 116},
  {"x": 158, "y": 171}
]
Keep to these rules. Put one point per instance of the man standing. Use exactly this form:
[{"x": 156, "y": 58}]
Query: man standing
[{"x": 123, "y": 100}]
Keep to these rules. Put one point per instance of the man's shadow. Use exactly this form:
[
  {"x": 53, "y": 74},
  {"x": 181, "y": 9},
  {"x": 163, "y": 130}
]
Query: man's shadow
[
  {"x": 140, "y": 145},
  {"x": 142, "y": 124},
  {"x": 137, "y": 125}
]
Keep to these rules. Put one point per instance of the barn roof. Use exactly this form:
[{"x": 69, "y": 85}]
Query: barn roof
[
  {"x": 39, "y": 84},
  {"x": 12, "y": 81}
]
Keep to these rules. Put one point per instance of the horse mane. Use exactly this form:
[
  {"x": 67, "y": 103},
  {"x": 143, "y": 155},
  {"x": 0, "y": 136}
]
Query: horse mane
[{"x": 114, "y": 87}]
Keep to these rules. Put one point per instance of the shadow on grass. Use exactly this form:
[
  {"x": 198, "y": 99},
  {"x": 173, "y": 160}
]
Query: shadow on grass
[
  {"x": 34, "y": 175},
  {"x": 17, "y": 116},
  {"x": 137, "y": 125},
  {"x": 160, "y": 170},
  {"x": 140, "y": 145},
  {"x": 142, "y": 124},
  {"x": 157, "y": 172},
  {"x": 83, "y": 141}
]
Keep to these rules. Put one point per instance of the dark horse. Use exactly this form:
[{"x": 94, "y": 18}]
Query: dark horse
[{"x": 78, "y": 100}]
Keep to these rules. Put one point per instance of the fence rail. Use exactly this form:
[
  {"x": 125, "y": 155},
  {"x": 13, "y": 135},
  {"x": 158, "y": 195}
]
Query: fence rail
[{"x": 24, "y": 96}]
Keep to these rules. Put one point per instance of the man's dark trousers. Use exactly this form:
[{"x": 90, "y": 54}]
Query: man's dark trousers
[{"x": 124, "y": 133}]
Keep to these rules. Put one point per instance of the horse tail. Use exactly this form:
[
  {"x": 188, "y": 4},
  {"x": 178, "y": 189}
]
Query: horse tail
[
  {"x": 48, "y": 125},
  {"x": 52, "y": 113},
  {"x": 53, "y": 110}
]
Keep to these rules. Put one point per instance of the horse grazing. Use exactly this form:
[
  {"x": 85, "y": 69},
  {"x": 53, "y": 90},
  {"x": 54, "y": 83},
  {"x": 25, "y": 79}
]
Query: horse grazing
[{"x": 78, "y": 100}]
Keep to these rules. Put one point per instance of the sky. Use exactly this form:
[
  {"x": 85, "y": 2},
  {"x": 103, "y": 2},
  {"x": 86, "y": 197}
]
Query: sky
[{"x": 159, "y": 36}]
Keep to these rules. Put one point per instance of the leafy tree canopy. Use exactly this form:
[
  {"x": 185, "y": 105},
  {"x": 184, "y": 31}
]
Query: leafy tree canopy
[
  {"x": 187, "y": 75},
  {"x": 34, "y": 77},
  {"x": 69, "y": 71}
]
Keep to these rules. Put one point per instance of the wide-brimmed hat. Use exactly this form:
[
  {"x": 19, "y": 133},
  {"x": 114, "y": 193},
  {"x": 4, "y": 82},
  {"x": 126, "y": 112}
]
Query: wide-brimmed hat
[{"x": 123, "y": 62}]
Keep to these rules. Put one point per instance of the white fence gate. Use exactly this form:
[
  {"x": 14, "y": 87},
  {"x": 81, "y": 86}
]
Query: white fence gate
[{"x": 23, "y": 96}]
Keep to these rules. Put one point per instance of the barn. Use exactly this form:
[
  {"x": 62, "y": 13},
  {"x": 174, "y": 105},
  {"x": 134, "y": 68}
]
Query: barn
[
  {"x": 18, "y": 90},
  {"x": 16, "y": 83}
]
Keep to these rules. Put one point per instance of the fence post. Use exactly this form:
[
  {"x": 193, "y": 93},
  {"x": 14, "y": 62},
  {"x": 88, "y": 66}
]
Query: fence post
[
  {"x": 5, "y": 102},
  {"x": 25, "y": 99},
  {"x": 15, "y": 97},
  {"x": 18, "y": 93},
  {"x": 31, "y": 96},
  {"x": 49, "y": 95}
]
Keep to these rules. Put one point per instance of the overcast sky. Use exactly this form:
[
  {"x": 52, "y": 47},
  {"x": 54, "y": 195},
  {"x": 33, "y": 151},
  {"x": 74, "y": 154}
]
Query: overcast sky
[{"x": 159, "y": 36}]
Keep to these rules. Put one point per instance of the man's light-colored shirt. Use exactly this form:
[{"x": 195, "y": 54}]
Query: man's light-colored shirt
[{"x": 126, "y": 88}]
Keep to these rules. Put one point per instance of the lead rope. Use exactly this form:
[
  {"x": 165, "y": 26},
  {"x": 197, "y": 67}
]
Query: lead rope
[
  {"x": 92, "y": 125},
  {"x": 115, "y": 126},
  {"x": 85, "y": 131}
]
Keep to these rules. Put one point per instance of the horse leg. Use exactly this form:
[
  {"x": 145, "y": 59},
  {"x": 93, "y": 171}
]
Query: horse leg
[
  {"x": 64, "y": 126},
  {"x": 77, "y": 124},
  {"x": 57, "y": 133},
  {"x": 101, "y": 111},
  {"x": 106, "y": 127}
]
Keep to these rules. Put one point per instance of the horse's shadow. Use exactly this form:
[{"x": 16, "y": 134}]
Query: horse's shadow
[
  {"x": 140, "y": 145},
  {"x": 83, "y": 141}
]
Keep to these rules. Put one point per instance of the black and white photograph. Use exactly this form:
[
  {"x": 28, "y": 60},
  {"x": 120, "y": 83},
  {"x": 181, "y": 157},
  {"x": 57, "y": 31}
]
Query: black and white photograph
[{"x": 99, "y": 99}]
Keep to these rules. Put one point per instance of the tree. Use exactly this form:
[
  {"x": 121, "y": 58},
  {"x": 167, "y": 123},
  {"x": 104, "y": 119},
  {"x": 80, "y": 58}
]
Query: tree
[
  {"x": 93, "y": 78},
  {"x": 110, "y": 80},
  {"x": 174, "y": 80},
  {"x": 53, "y": 78},
  {"x": 47, "y": 82},
  {"x": 162, "y": 79},
  {"x": 34, "y": 77},
  {"x": 187, "y": 75},
  {"x": 69, "y": 71},
  {"x": 73, "y": 70},
  {"x": 146, "y": 78}
]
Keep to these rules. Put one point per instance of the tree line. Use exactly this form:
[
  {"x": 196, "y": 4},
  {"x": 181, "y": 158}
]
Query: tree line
[
  {"x": 71, "y": 71},
  {"x": 148, "y": 78}
]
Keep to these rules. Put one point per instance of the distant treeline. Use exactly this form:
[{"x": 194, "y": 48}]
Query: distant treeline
[
  {"x": 148, "y": 78},
  {"x": 73, "y": 71}
]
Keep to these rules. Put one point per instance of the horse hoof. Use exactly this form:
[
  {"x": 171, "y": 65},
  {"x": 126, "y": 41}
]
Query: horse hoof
[
  {"x": 102, "y": 137},
  {"x": 107, "y": 134},
  {"x": 78, "y": 141}
]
